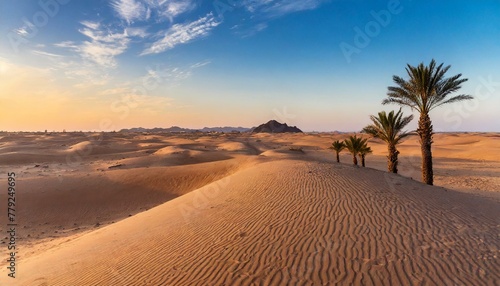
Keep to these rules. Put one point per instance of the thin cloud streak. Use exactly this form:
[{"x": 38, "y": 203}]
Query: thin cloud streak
[
  {"x": 265, "y": 10},
  {"x": 42, "y": 53},
  {"x": 276, "y": 8},
  {"x": 182, "y": 33}
]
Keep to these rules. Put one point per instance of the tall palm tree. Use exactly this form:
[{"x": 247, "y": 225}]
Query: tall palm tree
[
  {"x": 426, "y": 89},
  {"x": 338, "y": 146},
  {"x": 355, "y": 145},
  {"x": 365, "y": 150},
  {"x": 389, "y": 128}
]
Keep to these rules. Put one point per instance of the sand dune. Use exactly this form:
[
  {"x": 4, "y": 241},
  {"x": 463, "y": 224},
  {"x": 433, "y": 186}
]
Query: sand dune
[
  {"x": 229, "y": 209},
  {"x": 170, "y": 150},
  {"x": 105, "y": 197},
  {"x": 232, "y": 146},
  {"x": 81, "y": 146},
  {"x": 289, "y": 222}
]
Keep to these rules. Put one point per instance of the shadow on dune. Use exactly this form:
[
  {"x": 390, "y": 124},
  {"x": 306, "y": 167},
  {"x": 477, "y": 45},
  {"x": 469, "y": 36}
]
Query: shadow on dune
[{"x": 53, "y": 207}]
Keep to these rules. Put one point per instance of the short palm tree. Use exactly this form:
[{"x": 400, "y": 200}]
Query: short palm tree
[
  {"x": 338, "y": 146},
  {"x": 389, "y": 128},
  {"x": 426, "y": 89},
  {"x": 365, "y": 150},
  {"x": 355, "y": 145}
]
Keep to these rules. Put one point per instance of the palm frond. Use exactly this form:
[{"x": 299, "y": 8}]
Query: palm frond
[
  {"x": 402, "y": 101},
  {"x": 355, "y": 144},
  {"x": 425, "y": 88},
  {"x": 455, "y": 99},
  {"x": 388, "y": 127},
  {"x": 338, "y": 146}
]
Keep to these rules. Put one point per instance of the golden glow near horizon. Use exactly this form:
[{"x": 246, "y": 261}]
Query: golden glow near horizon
[
  {"x": 36, "y": 99},
  {"x": 3, "y": 67},
  {"x": 32, "y": 99}
]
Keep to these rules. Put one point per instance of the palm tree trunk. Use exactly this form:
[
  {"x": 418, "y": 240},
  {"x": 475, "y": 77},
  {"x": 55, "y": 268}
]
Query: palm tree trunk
[
  {"x": 354, "y": 160},
  {"x": 338, "y": 157},
  {"x": 363, "y": 160},
  {"x": 425, "y": 132},
  {"x": 392, "y": 162}
]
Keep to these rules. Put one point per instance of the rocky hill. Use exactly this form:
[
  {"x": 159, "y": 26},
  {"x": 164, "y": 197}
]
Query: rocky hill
[{"x": 274, "y": 126}]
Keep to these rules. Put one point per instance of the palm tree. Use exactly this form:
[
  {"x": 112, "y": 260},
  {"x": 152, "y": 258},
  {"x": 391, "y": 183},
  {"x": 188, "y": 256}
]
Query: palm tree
[
  {"x": 338, "y": 146},
  {"x": 389, "y": 128},
  {"x": 365, "y": 150},
  {"x": 426, "y": 89},
  {"x": 355, "y": 144}
]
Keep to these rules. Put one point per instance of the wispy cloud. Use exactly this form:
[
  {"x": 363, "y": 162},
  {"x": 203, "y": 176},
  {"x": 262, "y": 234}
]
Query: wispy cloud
[
  {"x": 168, "y": 9},
  {"x": 141, "y": 91},
  {"x": 183, "y": 33},
  {"x": 90, "y": 25},
  {"x": 262, "y": 11},
  {"x": 103, "y": 45},
  {"x": 24, "y": 31},
  {"x": 166, "y": 76},
  {"x": 91, "y": 60},
  {"x": 42, "y": 53},
  {"x": 83, "y": 74},
  {"x": 275, "y": 8},
  {"x": 201, "y": 64},
  {"x": 137, "y": 10},
  {"x": 130, "y": 10},
  {"x": 156, "y": 76},
  {"x": 66, "y": 44},
  {"x": 252, "y": 30},
  {"x": 136, "y": 32}
]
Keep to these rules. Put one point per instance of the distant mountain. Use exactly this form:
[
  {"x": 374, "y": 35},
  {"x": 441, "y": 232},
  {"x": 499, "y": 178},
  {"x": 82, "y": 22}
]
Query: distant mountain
[
  {"x": 157, "y": 129},
  {"x": 225, "y": 129},
  {"x": 274, "y": 126},
  {"x": 178, "y": 129}
]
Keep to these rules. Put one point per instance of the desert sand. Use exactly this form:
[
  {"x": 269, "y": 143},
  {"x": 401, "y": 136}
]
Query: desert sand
[{"x": 240, "y": 209}]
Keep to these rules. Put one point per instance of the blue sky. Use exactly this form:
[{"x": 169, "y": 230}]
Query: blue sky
[{"x": 318, "y": 64}]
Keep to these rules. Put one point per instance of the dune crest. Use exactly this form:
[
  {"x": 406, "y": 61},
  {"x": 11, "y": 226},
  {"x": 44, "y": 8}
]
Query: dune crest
[
  {"x": 169, "y": 150},
  {"x": 78, "y": 147},
  {"x": 232, "y": 146}
]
